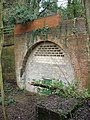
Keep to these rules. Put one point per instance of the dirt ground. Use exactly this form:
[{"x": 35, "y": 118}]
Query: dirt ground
[
  {"x": 21, "y": 105},
  {"x": 67, "y": 109}
]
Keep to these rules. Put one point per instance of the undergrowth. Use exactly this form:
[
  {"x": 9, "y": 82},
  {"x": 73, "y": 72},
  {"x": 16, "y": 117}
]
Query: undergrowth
[{"x": 59, "y": 88}]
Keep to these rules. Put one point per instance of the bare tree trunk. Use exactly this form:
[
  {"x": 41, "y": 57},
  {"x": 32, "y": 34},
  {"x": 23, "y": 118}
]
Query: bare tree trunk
[
  {"x": 87, "y": 11},
  {"x": 87, "y": 8},
  {"x": 1, "y": 79}
]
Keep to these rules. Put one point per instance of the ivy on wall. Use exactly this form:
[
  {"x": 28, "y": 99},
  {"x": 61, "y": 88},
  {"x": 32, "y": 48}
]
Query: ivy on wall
[{"x": 41, "y": 32}]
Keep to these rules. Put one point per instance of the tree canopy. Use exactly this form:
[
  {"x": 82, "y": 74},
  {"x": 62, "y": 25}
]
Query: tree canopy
[{"x": 23, "y": 11}]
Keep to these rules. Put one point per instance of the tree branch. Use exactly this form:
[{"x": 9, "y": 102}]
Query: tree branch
[{"x": 45, "y": 8}]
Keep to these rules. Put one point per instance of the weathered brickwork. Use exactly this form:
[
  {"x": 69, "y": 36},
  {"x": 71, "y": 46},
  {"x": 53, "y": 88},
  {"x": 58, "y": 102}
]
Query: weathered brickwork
[
  {"x": 51, "y": 21},
  {"x": 69, "y": 38}
]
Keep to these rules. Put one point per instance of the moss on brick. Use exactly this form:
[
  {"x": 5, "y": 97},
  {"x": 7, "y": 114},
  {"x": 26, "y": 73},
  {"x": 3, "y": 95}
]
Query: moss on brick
[{"x": 8, "y": 63}]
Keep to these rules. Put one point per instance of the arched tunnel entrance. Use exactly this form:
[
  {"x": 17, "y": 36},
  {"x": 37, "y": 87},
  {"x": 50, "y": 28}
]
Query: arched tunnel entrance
[{"x": 47, "y": 60}]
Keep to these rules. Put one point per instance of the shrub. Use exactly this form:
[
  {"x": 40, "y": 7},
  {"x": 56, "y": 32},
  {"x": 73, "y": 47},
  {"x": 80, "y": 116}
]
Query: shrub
[{"x": 59, "y": 88}]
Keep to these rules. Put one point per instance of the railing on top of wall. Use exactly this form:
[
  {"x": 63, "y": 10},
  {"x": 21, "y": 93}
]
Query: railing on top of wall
[
  {"x": 8, "y": 30},
  {"x": 8, "y": 36}
]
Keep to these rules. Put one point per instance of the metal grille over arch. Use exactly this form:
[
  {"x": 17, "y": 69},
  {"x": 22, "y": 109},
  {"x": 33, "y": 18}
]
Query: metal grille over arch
[{"x": 47, "y": 60}]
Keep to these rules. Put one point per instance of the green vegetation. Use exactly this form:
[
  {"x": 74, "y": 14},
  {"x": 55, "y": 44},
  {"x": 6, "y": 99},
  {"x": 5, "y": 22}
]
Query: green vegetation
[
  {"x": 28, "y": 10},
  {"x": 47, "y": 86},
  {"x": 9, "y": 101},
  {"x": 74, "y": 9}
]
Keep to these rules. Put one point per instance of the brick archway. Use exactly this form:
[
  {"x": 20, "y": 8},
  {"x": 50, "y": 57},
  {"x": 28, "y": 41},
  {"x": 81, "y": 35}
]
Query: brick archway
[
  {"x": 46, "y": 59},
  {"x": 31, "y": 49}
]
